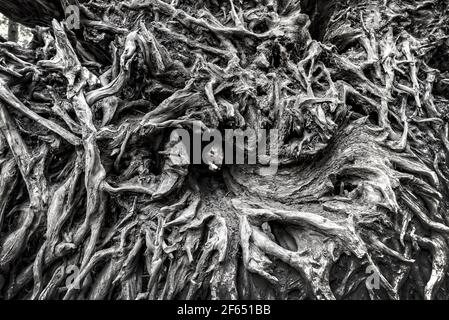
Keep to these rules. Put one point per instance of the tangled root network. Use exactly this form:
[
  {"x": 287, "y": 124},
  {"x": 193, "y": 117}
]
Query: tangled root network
[{"x": 98, "y": 199}]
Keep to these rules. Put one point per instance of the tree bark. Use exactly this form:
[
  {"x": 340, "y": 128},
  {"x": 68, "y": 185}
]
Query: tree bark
[
  {"x": 32, "y": 12},
  {"x": 100, "y": 201}
]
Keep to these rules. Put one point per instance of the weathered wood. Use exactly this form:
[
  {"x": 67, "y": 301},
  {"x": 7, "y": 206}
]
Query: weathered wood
[{"x": 99, "y": 127}]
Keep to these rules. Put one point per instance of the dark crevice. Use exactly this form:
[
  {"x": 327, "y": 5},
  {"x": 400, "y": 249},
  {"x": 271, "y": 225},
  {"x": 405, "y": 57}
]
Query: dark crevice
[{"x": 319, "y": 12}]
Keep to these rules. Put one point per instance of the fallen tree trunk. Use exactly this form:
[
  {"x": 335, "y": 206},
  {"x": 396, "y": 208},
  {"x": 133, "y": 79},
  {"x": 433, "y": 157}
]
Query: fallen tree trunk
[{"x": 100, "y": 201}]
